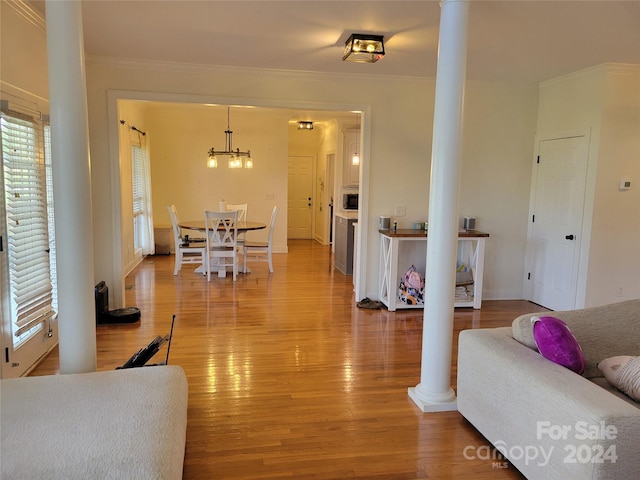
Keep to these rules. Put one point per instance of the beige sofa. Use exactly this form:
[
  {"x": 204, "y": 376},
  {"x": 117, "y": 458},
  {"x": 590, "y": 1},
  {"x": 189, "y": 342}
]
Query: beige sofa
[
  {"x": 548, "y": 421},
  {"x": 120, "y": 425}
]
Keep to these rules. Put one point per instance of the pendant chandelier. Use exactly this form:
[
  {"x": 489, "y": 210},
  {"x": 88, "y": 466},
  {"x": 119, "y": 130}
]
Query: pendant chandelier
[{"x": 237, "y": 159}]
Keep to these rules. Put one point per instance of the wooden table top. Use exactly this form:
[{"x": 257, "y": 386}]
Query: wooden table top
[
  {"x": 242, "y": 225},
  {"x": 408, "y": 232}
]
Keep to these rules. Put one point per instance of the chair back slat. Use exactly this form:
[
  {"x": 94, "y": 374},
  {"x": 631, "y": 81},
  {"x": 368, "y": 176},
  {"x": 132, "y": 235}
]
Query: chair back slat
[
  {"x": 173, "y": 215},
  {"x": 221, "y": 229},
  {"x": 241, "y": 208}
]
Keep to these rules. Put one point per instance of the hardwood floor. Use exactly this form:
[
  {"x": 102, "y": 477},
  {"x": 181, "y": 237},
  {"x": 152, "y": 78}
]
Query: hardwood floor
[{"x": 288, "y": 379}]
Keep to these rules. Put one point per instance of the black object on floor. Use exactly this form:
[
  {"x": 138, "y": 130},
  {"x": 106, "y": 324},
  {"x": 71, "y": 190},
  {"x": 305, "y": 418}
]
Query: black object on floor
[
  {"x": 142, "y": 356},
  {"x": 369, "y": 304},
  {"x": 119, "y": 315}
]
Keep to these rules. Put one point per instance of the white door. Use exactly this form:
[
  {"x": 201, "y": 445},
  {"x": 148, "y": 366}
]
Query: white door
[
  {"x": 331, "y": 165},
  {"x": 555, "y": 233},
  {"x": 300, "y": 199}
]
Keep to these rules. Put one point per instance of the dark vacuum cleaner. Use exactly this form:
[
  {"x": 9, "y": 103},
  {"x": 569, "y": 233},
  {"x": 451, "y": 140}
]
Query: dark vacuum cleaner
[{"x": 119, "y": 315}]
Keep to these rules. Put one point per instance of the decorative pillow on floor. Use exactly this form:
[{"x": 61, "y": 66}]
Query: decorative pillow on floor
[
  {"x": 555, "y": 342},
  {"x": 623, "y": 372}
]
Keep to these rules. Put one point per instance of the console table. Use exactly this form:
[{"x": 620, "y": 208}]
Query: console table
[{"x": 403, "y": 248}]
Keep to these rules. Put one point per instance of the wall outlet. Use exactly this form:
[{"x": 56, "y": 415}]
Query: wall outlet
[{"x": 401, "y": 211}]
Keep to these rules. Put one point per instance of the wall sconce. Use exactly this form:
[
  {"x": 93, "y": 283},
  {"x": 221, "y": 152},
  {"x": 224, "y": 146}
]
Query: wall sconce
[
  {"x": 363, "y": 48},
  {"x": 302, "y": 125}
]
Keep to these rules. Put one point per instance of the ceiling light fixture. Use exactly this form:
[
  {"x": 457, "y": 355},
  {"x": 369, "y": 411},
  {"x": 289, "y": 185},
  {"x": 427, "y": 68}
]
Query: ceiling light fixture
[
  {"x": 304, "y": 125},
  {"x": 363, "y": 48},
  {"x": 237, "y": 159}
]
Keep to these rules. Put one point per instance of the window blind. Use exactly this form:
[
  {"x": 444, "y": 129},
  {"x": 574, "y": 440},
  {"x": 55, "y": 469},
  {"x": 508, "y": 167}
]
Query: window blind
[
  {"x": 50, "y": 214},
  {"x": 23, "y": 161},
  {"x": 137, "y": 179}
]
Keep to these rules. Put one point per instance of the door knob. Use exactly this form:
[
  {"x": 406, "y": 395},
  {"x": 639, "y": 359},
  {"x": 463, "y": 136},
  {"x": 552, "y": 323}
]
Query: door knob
[{"x": 569, "y": 237}]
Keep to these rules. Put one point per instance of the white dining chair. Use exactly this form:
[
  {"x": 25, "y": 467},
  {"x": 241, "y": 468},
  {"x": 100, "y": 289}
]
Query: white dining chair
[
  {"x": 186, "y": 252},
  {"x": 261, "y": 251},
  {"x": 242, "y": 217},
  {"x": 241, "y": 208},
  {"x": 221, "y": 230}
]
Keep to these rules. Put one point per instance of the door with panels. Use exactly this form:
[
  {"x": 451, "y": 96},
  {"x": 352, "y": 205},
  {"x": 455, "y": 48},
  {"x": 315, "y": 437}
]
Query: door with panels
[{"x": 556, "y": 222}]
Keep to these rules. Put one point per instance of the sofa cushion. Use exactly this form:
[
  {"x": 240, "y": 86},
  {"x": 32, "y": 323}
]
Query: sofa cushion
[
  {"x": 555, "y": 342},
  {"x": 602, "y": 332},
  {"x": 623, "y": 372},
  {"x": 116, "y": 424}
]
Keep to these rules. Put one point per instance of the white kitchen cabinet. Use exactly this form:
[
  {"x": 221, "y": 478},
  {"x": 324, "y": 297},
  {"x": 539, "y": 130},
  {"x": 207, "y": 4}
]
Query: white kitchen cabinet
[{"x": 351, "y": 172}]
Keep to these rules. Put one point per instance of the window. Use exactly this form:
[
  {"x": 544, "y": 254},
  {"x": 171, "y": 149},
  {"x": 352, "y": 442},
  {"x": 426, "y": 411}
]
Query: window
[
  {"x": 142, "y": 215},
  {"x": 138, "y": 196},
  {"x": 28, "y": 207}
]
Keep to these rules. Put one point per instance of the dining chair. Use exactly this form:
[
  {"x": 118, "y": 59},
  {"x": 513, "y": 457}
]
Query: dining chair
[
  {"x": 221, "y": 237},
  {"x": 186, "y": 252},
  {"x": 261, "y": 251},
  {"x": 242, "y": 216},
  {"x": 241, "y": 208}
]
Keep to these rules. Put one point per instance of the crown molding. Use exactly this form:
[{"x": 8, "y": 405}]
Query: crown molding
[
  {"x": 604, "y": 68},
  {"x": 196, "y": 68},
  {"x": 30, "y": 14}
]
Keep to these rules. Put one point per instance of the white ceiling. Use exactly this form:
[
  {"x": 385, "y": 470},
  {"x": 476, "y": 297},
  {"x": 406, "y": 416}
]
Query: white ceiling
[
  {"x": 516, "y": 40},
  {"x": 508, "y": 40}
]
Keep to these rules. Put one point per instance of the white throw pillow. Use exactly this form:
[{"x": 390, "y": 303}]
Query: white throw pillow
[{"x": 623, "y": 372}]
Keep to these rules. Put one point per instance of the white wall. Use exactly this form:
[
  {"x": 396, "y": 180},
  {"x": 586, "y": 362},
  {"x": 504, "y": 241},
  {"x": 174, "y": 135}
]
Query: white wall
[
  {"x": 604, "y": 100},
  {"x": 496, "y": 178},
  {"x": 615, "y": 243},
  {"x": 24, "y": 54},
  {"x": 499, "y": 128}
]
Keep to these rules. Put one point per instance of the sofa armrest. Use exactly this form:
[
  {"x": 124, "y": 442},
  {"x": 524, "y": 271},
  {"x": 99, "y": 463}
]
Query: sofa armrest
[
  {"x": 522, "y": 402},
  {"x": 118, "y": 424}
]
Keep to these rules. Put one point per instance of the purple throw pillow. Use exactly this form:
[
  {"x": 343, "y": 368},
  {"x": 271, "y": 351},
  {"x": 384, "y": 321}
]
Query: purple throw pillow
[{"x": 556, "y": 343}]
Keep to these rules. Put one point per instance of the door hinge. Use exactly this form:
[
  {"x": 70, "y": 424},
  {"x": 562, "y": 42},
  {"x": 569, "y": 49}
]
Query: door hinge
[
  {"x": 529, "y": 276},
  {"x": 533, "y": 219},
  {"x": 1, "y": 244},
  {"x": 538, "y": 159},
  {"x": 6, "y": 354}
]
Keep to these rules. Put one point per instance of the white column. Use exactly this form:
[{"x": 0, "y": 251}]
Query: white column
[
  {"x": 434, "y": 392},
  {"x": 71, "y": 186}
]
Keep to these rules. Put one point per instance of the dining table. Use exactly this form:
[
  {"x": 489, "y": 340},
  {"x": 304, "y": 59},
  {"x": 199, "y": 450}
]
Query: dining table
[{"x": 242, "y": 226}]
